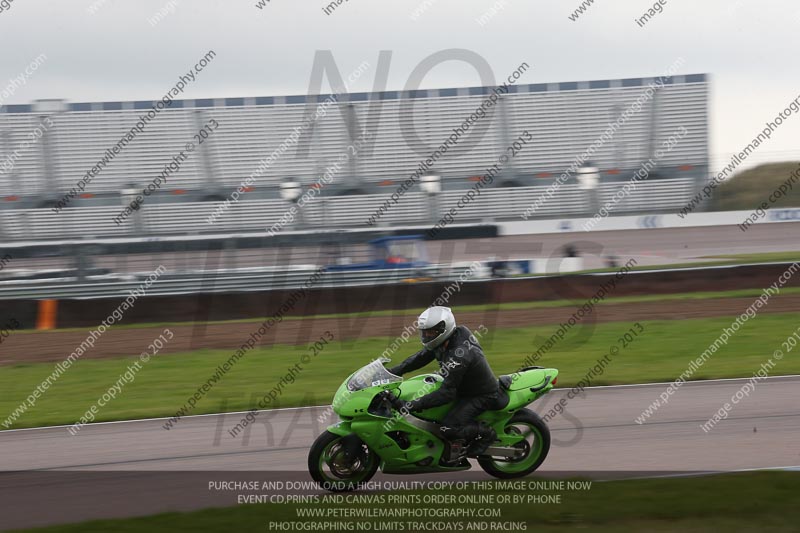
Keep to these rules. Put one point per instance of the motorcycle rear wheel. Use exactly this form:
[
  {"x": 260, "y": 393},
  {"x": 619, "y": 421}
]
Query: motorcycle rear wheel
[{"x": 527, "y": 423}]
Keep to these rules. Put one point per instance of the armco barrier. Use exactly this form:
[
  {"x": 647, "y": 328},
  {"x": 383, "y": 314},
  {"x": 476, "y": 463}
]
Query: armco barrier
[{"x": 200, "y": 308}]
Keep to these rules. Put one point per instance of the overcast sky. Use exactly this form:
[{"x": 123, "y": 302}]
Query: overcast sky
[{"x": 749, "y": 48}]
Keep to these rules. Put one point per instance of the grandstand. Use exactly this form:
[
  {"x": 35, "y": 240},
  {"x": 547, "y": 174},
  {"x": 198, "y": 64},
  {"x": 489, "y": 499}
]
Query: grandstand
[{"x": 563, "y": 118}]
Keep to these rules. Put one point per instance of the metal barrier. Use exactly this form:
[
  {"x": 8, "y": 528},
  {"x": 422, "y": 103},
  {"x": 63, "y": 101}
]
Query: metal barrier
[{"x": 219, "y": 281}]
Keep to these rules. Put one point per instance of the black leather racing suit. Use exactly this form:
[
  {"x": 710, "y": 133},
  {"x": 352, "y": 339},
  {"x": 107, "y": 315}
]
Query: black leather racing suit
[{"x": 468, "y": 379}]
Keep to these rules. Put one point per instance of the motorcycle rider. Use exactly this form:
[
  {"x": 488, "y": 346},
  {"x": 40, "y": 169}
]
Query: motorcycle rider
[{"x": 468, "y": 380}]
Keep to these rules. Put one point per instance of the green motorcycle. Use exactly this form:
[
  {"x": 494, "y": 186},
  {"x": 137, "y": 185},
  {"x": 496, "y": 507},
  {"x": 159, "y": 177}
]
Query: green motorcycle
[{"x": 372, "y": 435}]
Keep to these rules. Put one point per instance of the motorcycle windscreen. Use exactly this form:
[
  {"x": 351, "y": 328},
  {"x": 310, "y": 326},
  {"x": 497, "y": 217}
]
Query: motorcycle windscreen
[{"x": 372, "y": 375}]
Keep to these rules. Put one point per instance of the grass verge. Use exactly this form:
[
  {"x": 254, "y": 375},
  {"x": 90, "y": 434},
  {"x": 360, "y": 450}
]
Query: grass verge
[{"x": 164, "y": 384}]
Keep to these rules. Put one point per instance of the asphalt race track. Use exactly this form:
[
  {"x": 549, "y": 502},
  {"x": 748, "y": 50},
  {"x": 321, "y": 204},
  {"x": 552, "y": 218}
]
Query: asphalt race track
[
  {"x": 139, "y": 468},
  {"x": 662, "y": 246},
  {"x": 648, "y": 246}
]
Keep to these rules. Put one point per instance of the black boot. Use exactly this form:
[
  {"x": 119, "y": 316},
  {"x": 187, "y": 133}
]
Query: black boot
[
  {"x": 455, "y": 452},
  {"x": 485, "y": 438}
]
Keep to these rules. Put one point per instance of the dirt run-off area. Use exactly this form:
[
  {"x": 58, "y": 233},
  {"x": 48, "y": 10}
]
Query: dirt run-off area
[{"x": 30, "y": 347}]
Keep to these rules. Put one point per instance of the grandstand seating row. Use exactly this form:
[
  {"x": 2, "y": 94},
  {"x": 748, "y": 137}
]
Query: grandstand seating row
[{"x": 414, "y": 208}]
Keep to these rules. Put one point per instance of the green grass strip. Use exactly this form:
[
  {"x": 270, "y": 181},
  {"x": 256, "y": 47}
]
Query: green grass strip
[{"x": 661, "y": 353}]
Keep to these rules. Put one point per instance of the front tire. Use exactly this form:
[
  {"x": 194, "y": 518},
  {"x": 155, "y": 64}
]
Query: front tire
[
  {"x": 329, "y": 466},
  {"x": 527, "y": 423}
]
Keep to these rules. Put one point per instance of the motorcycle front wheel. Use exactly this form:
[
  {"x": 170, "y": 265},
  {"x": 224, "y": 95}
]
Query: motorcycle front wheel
[{"x": 330, "y": 466}]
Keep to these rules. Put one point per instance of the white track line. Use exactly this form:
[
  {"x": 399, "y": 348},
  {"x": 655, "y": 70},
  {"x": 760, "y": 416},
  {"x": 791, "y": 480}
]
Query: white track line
[
  {"x": 708, "y": 473},
  {"x": 697, "y": 382}
]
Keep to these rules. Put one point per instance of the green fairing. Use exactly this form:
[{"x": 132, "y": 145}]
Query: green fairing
[
  {"x": 531, "y": 378},
  {"x": 373, "y": 428}
]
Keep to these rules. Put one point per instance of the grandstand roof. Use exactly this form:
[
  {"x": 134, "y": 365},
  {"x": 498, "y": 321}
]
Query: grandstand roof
[{"x": 365, "y": 96}]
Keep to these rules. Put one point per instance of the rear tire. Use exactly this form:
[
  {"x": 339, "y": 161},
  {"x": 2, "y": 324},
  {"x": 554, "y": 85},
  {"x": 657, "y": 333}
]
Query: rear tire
[
  {"x": 342, "y": 476},
  {"x": 536, "y": 450}
]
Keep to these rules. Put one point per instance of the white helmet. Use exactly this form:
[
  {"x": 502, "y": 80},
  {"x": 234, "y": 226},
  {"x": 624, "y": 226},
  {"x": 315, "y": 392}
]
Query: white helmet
[{"x": 435, "y": 324}]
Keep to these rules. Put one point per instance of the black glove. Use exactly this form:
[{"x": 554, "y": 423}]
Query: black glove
[{"x": 395, "y": 401}]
